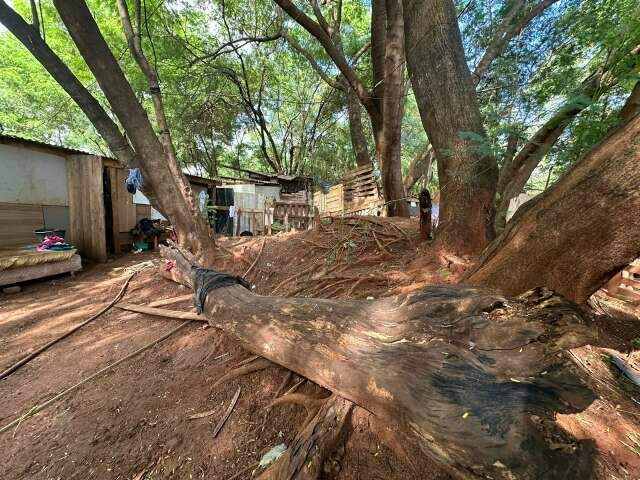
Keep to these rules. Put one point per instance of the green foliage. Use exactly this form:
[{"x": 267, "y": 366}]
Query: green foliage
[{"x": 209, "y": 100}]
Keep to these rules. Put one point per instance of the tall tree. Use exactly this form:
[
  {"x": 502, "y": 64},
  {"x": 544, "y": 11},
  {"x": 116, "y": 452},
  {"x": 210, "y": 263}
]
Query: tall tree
[
  {"x": 517, "y": 16},
  {"x": 163, "y": 180},
  {"x": 450, "y": 114},
  {"x": 387, "y": 58}
]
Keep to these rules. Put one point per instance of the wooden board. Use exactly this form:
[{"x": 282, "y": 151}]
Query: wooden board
[
  {"x": 23, "y": 274},
  {"x": 126, "y": 207},
  {"x": 18, "y": 222},
  {"x": 86, "y": 206}
]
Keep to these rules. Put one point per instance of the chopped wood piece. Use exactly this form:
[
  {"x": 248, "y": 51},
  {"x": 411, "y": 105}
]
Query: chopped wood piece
[
  {"x": 169, "y": 301},
  {"x": 162, "y": 312}
]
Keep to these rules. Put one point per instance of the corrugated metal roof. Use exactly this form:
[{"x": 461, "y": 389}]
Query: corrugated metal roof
[{"x": 12, "y": 139}]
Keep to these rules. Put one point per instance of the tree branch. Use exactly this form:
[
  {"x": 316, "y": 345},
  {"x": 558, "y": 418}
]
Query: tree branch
[
  {"x": 96, "y": 114},
  {"x": 134, "y": 41},
  {"x": 232, "y": 43},
  {"x": 512, "y": 24},
  {"x": 334, "y": 53},
  {"x": 312, "y": 62}
]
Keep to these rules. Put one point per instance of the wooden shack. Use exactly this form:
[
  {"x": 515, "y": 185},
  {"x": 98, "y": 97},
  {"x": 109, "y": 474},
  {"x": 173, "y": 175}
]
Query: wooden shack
[{"x": 46, "y": 186}]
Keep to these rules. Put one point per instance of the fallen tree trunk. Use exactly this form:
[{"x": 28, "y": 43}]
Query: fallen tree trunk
[{"x": 473, "y": 378}]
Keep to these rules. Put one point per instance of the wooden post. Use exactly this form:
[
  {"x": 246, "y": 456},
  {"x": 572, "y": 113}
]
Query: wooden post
[{"x": 425, "y": 215}]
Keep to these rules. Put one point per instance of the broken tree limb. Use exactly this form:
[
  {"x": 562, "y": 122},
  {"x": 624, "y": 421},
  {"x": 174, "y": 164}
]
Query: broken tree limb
[
  {"x": 37, "y": 352},
  {"x": 473, "y": 378},
  {"x": 264, "y": 240},
  {"x": 162, "y": 312}
]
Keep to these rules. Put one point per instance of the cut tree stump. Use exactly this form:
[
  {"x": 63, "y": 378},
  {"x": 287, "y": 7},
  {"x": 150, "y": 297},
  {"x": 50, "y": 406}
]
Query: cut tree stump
[{"x": 473, "y": 378}]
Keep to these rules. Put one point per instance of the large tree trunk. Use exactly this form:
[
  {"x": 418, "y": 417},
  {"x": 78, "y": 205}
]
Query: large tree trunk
[
  {"x": 358, "y": 138},
  {"x": 171, "y": 191},
  {"x": 450, "y": 114},
  {"x": 577, "y": 234},
  {"x": 472, "y": 378},
  {"x": 388, "y": 145}
]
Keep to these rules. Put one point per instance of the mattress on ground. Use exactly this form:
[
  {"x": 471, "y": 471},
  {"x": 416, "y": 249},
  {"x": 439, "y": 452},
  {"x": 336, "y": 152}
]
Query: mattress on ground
[{"x": 17, "y": 258}]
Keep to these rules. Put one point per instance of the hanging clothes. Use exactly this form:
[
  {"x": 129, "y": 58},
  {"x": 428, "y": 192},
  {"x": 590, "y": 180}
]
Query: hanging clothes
[
  {"x": 134, "y": 180},
  {"x": 232, "y": 211}
]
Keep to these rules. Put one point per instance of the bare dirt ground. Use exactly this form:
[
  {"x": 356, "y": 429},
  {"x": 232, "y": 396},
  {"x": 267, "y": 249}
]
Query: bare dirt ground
[{"x": 132, "y": 422}]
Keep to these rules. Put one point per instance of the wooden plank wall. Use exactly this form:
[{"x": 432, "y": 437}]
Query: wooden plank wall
[
  {"x": 360, "y": 184},
  {"x": 86, "y": 206},
  {"x": 126, "y": 207},
  {"x": 18, "y": 222},
  {"x": 332, "y": 201}
]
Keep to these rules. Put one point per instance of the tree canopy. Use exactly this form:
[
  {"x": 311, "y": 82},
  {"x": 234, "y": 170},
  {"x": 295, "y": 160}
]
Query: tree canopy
[{"x": 239, "y": 91}]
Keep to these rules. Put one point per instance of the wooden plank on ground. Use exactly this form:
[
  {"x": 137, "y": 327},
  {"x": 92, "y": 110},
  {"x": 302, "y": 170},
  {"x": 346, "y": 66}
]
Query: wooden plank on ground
[{"x": 161, "y": 312}]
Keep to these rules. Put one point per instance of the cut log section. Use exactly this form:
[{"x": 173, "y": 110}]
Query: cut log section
[{"x": 474, "y": 378}]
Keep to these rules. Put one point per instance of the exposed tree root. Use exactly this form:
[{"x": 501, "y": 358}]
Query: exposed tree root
[
  {"x": 264, "y": 240},
  {"x": 254, "y": 366},
  {"x": 307, "y": 456}
]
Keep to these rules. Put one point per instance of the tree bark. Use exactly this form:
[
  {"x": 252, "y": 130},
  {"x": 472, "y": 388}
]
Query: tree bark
[
  {"x": 388, "y": 146},
  {"x": 171, "y": 192},
  {"x": 451, "y": 117},
  {"x": 358, "y": 138},
  {"x": 473, "y": 378},
  {"x": 421, "y": 166},
  {"x": 579, "y": 232},
  {"x": 631, "y": 107}
]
